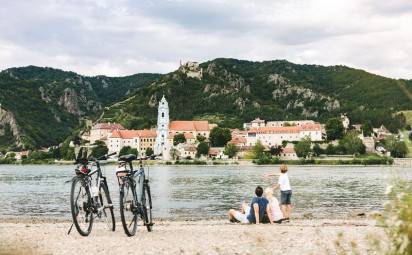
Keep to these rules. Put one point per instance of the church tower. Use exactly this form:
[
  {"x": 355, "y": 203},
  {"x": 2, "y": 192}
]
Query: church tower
[{"x": 162, "y": 146}]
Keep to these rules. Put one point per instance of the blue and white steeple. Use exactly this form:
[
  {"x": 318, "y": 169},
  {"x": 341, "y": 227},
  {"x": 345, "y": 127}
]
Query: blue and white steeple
[{"x": 162, "y": 146}]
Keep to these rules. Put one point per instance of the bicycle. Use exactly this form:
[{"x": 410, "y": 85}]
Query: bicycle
[
  {"x": 90, "y": 197},
  {"x": 135, "y": 197}
]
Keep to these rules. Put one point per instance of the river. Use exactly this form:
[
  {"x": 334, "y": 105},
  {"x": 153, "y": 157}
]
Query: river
[{"x": 194, "y": 192}]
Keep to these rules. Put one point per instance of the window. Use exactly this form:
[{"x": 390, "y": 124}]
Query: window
[{"x": 163, "y": 114}]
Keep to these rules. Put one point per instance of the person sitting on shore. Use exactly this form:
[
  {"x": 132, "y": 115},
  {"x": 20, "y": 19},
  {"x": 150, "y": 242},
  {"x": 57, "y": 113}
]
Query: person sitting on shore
[
  {"x": 277, "y": 215},
  {"x": 285, "y": 191},
  {"x": 255, "y": 212}
]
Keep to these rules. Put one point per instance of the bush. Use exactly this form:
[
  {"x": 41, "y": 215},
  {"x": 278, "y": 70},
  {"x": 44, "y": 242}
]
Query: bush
[{"x": 397, "y": 220}]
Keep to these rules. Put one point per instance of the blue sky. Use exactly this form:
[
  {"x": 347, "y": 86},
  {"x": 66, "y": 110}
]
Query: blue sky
[{"x": 122, "y": 37}]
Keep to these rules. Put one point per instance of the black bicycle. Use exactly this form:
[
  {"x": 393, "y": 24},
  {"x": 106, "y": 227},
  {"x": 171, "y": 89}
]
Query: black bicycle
[
  {"x": 135, "y": 198},
  {"x": 89, "y": 197}
]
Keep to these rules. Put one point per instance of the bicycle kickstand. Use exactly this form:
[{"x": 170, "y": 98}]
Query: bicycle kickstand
[{"x": 70, "y": 229}]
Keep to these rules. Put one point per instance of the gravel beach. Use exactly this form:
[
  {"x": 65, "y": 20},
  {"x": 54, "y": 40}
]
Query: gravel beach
[{"x": 191, "y": 237}]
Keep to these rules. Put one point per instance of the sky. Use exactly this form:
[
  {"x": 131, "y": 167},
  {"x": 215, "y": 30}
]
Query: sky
[{"x": 122, "y": 37}]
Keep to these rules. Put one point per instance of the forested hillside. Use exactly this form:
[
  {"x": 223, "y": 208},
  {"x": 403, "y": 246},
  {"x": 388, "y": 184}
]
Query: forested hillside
[
  {"x": 234, "y": 91},
  {"x": 41, "y": 106}
]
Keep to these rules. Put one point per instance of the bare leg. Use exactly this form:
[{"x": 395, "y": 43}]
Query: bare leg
[
  {"x": 289, "y": 207},
  {"x": 284, "y": 211},
  {"x": 231, "y": 214}
]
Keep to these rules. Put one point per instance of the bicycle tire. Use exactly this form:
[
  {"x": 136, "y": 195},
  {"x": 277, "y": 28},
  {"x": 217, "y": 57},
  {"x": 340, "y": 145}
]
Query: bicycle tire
[
  {"x": 147, "y": 207},
  {"x": 107, "y": 208},
  {"x": 128, "y": 207},
  {"x": 84, "y": 206}
]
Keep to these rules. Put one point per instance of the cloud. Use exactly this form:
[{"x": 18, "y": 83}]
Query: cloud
[{"x": 120, "y": 37}]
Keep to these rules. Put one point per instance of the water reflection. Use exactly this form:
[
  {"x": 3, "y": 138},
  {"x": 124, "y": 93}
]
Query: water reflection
[{"x": 201, "y": 191}]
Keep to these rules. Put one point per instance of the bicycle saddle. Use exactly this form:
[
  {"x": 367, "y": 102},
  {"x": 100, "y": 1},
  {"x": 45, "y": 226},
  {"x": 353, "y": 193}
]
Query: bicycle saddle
[{"x": 127, "y": 158}]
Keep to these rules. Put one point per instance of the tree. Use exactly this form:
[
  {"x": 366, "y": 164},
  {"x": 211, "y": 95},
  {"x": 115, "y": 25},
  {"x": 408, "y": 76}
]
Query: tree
[
  {"x": 149, "y": 152},
  {"x": 334, "y": 129},
  {"x": 276, "y": 150},
  {"x": 330, "y": 149},
  {"x": 317, "y": 150},
  {"x": 219, "y": 136},
  {"x": 303, "y": 148},
  {"x": 230, "y": 150},
  {"x": 174, "y": 153},
  {"x": 126, "y": 150},
  {"x": 410, "y": 136},
  {"x": 100, "y": 149},
  {"x": 284, "y": 144},
  {"x": 179, "y": 138},
  {"x": 200, "y": 138},
  {"x": 258, "y": 150},
  {"x": 352, "y": 144},
  {"x": 367, "y": 129},
  {"x": 202, "y": 149},
  {"x": 396, "y": 147}
]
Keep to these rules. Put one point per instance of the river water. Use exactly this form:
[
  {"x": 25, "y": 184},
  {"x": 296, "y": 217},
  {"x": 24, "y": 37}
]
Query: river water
[{"x": 193, "y": 192}]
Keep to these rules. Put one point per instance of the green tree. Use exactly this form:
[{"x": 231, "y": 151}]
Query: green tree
[
  {"x": 149, "y": 152},
  {"x": 317, "y": 150},
  {"x": 100, "y": 149},
  {"x": 284, "y": 144},
  {"x": 258, "y": 150},
  {"x": 330, "y": 149},
  {"x": 174, "y": 153},
  {"x": 276, "y": 150},
  {"x": 410, "y": 136},
  {"x": 230, "y": 150},
  {"x": 202, "y": 149},
  {"x": 352, "y": 144},
  {"x": 397, "y": 148},
  {"x": 219, "y": 136},
  {"x": 367, "y": 129},
  {"x": 200, "y": 138},
  {"x": 334, "y": 129},
  {"x": 126, "y": 150},
  {"x": 303, "y": 148},
  {"x": 179, "y": 138}
]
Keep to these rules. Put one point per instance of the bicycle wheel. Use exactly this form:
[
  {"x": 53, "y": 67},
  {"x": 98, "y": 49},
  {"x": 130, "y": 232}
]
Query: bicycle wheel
[
  {"x": 147, "y": 207},
  {"x": 81, "y": 206},
  {"x": 128, "y": 208},
  {"x": 106, "y": 203}
]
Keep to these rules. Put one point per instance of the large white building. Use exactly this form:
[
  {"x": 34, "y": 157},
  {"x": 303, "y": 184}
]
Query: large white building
[
  {"x": 138, "y": 139},
  {"x": 162, "y": 145},
  {"x": 271, "y": 136},
  {"x": 101, "y": 132}
]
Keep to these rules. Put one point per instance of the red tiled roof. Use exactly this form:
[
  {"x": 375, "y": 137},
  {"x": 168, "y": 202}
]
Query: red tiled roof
[
  {"x": 187, "y": 135},
  {"x": 238, "y": 140},
  {"x": 130, "y": 134},
  {"x": 288, "y": 150},
  {"x": 189, "y": 125}
]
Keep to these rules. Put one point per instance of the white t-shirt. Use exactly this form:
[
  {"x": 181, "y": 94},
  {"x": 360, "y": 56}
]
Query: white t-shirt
[
  {"x": 284, "y": 182},
  {"x": 276, "y": 212}
]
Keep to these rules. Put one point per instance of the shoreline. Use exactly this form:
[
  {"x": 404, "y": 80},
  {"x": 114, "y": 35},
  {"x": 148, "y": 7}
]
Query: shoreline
[{"x": 192, "y": 237}]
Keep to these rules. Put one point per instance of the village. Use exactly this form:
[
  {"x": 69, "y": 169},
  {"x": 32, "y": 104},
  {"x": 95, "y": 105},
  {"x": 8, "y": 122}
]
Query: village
[{"x": 192, "y": 139}]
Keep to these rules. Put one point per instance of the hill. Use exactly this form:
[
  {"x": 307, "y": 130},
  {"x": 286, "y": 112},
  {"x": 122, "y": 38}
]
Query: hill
[
  {"x": 232, "y": 91},
  {"x": 42, "y": 106}
]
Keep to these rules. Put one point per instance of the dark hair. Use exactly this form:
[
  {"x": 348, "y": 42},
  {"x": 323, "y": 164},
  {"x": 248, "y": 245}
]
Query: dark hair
[{"x": 259, "y": 191}]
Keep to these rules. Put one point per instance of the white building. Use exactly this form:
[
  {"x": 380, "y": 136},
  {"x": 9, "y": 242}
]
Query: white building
[
  {"x": 284, "y": 123},
  {"x": 101, "y": 131},
  {"x": 162, "y": 144},
  {"x": 138, "y": 139},
  {"x": 271, "y": 136}
]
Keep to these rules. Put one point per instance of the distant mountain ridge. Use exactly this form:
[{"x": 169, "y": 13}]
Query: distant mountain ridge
[
  {"x": 232, "y": 91},
  {"x": 42, "y": 106}
]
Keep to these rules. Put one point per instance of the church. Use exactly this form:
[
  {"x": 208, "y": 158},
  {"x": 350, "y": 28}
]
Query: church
[{"x": 160, "y": 139}]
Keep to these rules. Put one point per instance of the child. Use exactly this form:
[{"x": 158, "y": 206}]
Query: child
[{"x": 285, "y": 191}]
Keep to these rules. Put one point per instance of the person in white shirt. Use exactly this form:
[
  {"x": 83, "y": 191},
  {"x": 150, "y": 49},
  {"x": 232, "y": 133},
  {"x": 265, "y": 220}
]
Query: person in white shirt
[
  {"x": 277, "y": 215},
  {"x": 285, "y": 191}
]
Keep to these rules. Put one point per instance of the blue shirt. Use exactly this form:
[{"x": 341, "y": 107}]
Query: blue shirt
[{"x": 262, "y": 202}]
